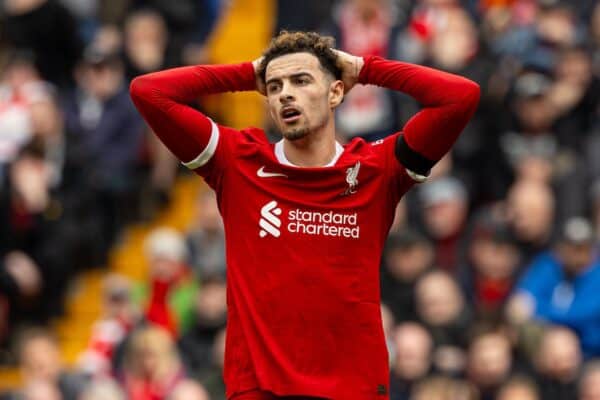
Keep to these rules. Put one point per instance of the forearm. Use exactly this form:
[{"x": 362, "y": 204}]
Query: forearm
[
  {"x": 163, "y": 99},
  {"x": 449, "y": 101},
  {"x": 185, "y": 84}
]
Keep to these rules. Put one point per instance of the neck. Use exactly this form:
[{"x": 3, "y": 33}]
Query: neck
[{"x": 315, "y": 150}]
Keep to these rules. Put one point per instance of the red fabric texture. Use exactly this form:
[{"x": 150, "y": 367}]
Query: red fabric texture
[
  {"x": 449, "y": 101},
  {"x": 163, "y": 99}
]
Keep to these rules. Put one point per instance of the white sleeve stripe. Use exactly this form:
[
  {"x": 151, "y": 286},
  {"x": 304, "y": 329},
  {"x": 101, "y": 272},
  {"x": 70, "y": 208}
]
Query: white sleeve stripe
[
  {"x": 208, "y": 151},
  {"x": 416, "y": 177}
]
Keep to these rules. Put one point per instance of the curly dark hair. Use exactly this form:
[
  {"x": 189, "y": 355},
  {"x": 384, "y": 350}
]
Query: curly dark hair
[{"x": 297, "y": 42}]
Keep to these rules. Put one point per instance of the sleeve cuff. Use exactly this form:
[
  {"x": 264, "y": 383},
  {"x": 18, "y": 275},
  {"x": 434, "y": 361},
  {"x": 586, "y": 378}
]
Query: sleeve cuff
[
  {"x": 363, "y": 76},
  {"x": 208, "y": 151}
]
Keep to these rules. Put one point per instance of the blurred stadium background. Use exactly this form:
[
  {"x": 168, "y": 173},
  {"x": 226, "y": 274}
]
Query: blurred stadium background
[{"x": 112, "y": 274}]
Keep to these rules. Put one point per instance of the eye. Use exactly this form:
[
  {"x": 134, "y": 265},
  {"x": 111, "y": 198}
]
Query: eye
[
  {"x": 302, "y": 80},
  {"x": 273, "y": 87}
]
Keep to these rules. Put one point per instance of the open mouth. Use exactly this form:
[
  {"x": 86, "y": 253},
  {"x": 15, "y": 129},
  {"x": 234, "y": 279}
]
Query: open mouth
[{"x": 290, "y": 114}]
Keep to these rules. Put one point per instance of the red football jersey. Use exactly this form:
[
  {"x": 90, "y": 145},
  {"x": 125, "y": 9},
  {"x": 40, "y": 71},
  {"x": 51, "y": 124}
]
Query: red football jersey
[
  {"x": 303, "y": 255},
  {"x": 304, "y": 244}
]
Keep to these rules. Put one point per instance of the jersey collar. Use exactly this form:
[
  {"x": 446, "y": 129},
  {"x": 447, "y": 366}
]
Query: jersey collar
[{"x": 339, "y": 149}]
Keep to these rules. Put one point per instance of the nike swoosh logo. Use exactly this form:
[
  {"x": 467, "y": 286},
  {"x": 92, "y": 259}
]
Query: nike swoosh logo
[{"x": 262, "y": 174}]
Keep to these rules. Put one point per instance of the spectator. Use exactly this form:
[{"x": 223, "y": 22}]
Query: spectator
[
  {"x": 213, "y": 379},
  {"x": 120, "y": 316},
  {"x": 406, "y": 257},
  {"x": 104, "y": 389},
  {"x": 168, "y": 298},
  {"x": 189, "y": 22},
  {"x": 147, "y": 48},
  {"x": 49, "y": 30},
  {"x": 41, "y": 390},
  {"x": 589, "y": 384},
  {"x": 518, "y": 388},
  {"x": 152, "y": 367},
  {"x": 531, "y": 214},
  {"x": 413, "y": 352},
  {"x": 107, "y": 132},
  {"x": 206, "y": 240},
  {"x": 210, "y": 317},
  {"x": 365, "y": 28},
  {"x": 443, "y": 310},
  {"x": 19, "y": 81},
  {"x": 20, "y": 280},
  {"x": 489, "y": 363},
  {"x": 445, "y": 205},
  {"x": 309, "y": 15},
  {"x": 189, "y": 390},
  {"x": 42, "y": 368},
  {"x": 145, "y": 43},
  {"x": 558, "y": 364},
  {"x": 36, "y": 224},
  {"x": 442, "y": 388},
  {"x": 560, "y": 286},
  {"x": 489, "y": 274}
]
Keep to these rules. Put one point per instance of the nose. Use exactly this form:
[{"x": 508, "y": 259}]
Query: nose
[{"x": 286, "y": 95}]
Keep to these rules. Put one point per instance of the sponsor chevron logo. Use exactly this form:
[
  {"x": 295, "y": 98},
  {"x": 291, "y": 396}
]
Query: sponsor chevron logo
[{"x": 269, "y": 221}]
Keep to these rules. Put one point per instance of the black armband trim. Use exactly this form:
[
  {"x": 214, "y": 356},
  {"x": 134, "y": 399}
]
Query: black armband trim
[{"x": 412, "y": 160}]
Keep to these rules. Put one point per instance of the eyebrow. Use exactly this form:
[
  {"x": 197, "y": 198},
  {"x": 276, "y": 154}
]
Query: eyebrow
[{"x": 295, "y": 75}]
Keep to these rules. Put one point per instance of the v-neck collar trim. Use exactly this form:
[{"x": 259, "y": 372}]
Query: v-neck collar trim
[{"x": 280, "y": 155}]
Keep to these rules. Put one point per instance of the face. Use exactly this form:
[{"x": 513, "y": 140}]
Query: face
[
  {"x": 559, "y": 355},
  {"x": 489, "y": 360},
  {"x": 413, "y": 351},
  {"x": 439, "y": 300},
  {"x": 40, "y": 360},
  {"x": 494, "y": 260},
  {"x": 590, "y": 385},
  {"x": 101, "y": 81},
  {"x": 531, "y": 207},
  {"x": 208, "y": 216},
  {"x": 518, "y": 392},
  {"x": 445, "y": 218},
  {"x": 408, "y": 263},
  {"x": 576, "y": 257},
  {"x": 301, "y": 95},
  {"x": 211, "y": 304}
]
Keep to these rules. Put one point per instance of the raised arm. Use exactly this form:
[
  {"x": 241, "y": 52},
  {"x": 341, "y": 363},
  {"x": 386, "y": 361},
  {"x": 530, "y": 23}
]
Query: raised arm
[
  {"x": 163, "y": 99},
  {"x": 448, "y": 103}
]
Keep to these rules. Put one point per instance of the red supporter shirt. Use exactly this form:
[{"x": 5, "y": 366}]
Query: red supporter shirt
[{"x": 304, "y": 244}]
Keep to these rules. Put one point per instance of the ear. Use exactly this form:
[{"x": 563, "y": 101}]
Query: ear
[{"x": 336, "y": 93}]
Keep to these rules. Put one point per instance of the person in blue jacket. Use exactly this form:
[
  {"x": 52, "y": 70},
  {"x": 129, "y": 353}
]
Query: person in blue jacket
[{"x": 562, "y": 286}]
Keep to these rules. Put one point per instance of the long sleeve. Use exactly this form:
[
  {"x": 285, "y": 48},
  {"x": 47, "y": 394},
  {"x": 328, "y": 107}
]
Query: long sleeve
[
  {"x": 163, "y": 99},
  {"x": 448, "y": 103}
]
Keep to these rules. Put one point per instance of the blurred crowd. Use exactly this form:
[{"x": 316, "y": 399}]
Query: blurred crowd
[{"x": 489, "y": 279}]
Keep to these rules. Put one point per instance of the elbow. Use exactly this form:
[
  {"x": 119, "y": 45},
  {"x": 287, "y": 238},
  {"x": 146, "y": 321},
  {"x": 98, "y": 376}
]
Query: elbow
[
  {"x": 139, "y": 88},
  {"x": 472, "y": 94},
  {"x": 467, "y": 96}
]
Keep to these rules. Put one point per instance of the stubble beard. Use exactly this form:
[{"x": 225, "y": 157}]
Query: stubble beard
[
  {"x": 301, "y": 132},
  {"x": 296, "y": 134}
]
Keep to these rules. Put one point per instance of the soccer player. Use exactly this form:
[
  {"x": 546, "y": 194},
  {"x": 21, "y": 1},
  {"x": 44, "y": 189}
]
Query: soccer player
[{"x": 305, "y": 218}]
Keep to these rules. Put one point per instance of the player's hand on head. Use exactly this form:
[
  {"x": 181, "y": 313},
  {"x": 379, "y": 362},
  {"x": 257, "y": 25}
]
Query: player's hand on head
[
  {"x": 351, "y": 66},
  {"x": 260, "y": 85}
]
